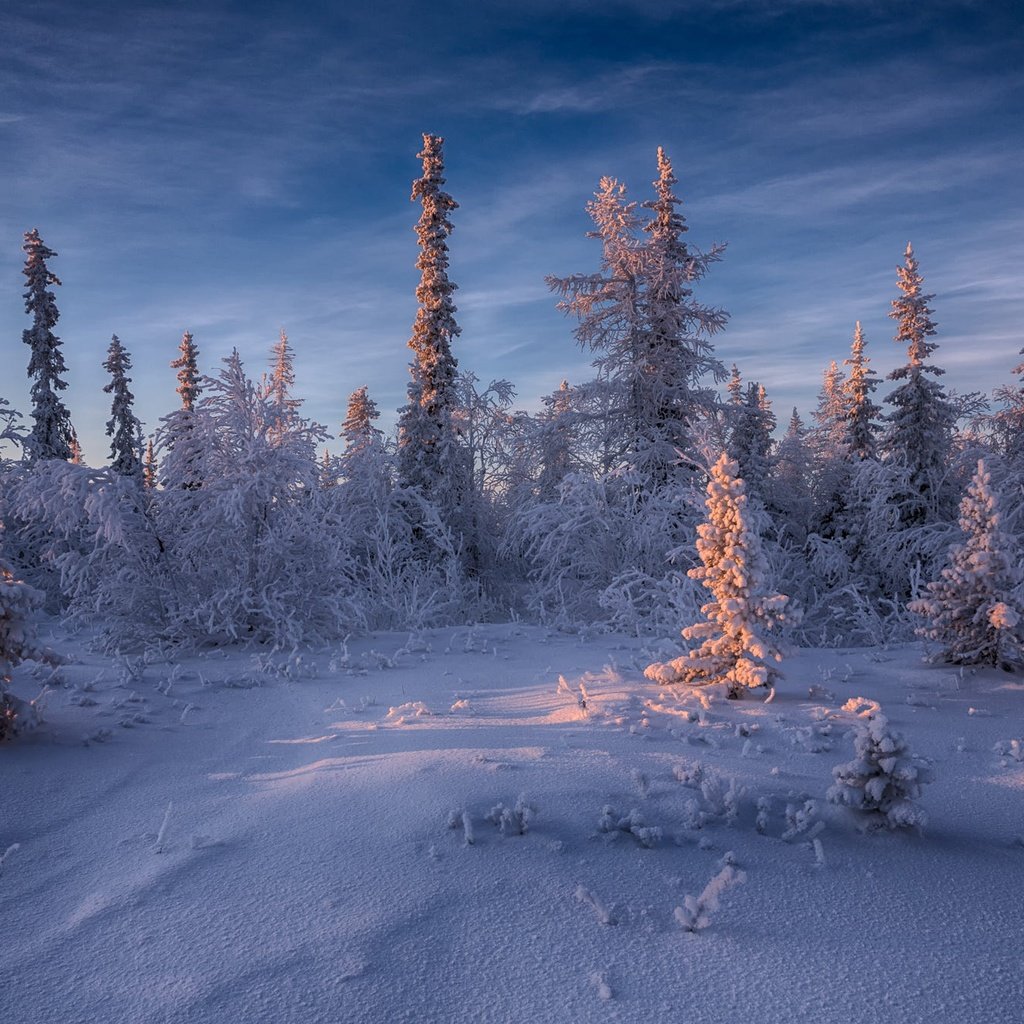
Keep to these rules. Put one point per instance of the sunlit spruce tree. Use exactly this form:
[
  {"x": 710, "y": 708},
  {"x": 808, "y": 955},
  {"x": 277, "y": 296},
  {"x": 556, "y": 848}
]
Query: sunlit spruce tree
[
  {"x": 429, "y": 454},
  {"x": 862, "y": 413},
  {"x": 650, "y": 336},
  {"x": 919, "y": 430},
  {"x": 52, "y": 435}
]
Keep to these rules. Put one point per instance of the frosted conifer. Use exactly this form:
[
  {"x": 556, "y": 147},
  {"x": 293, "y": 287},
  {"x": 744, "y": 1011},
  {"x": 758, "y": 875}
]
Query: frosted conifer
[
  {"x": 651, "y": 337},
  {"x": 882, "y": 780},
  {"x": 278, "y": 387},
  {"x": 972, "y": 609},
  {"x": 429, "y": 455},
  {"x": 1009, "y": 420},
  {"x": 920, "y": 426},
  {"x": 52, "y": 433},
  {"x": 149, "y": 466},
  {"x": 861, "y": 434},
  {"x": 123, "y": 427},
  {"x": 742, "y": 611},
  {"x": 181, "y": 437},
  {"x": 358, "y": 430}
]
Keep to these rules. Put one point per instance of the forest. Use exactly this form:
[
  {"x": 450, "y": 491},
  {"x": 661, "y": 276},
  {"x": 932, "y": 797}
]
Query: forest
[{"x": 235, "y": 520}]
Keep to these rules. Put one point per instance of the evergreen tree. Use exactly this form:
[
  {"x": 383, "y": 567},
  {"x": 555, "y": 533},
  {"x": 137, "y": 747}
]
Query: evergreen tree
[
  {"x": 181, "y": 437},
  {"x": 278, "y": 386},
  {"x": 750, "y": 438},
  {"x": 790, "y": 494},
  {"x": 52, "y": 433},
  {"x": 883, "y": 780},
  {"x": 861, "y": 414},
  {"x": 652, "y": 338},
  {"x": 123, "y": 427},
  {"x": 678, "y": 355},
  {"x": 919, "y": 434},
  {"x": 1008, "y": 422},
  {"x": 149, "y": 473},
  {"x": 358, "y": 430},
  {"x": 736, "y": 649},
  {"x": 428, "y": 452},
  {"x": 973, "y": 608}
]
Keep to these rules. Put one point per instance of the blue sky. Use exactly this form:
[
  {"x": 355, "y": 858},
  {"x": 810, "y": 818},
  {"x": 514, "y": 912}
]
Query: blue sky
[{"x": 232, "y": 168}]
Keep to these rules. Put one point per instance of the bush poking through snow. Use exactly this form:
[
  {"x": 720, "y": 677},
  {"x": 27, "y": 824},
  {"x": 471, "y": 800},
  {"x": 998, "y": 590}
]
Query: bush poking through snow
[
  {"x": 461, "y": 819},
  {"x": 695, "y": 913},
  {"x": 632, "y": 824},
  {"x": 883, "y": 780},
  {"x": 514, "y": 821}
]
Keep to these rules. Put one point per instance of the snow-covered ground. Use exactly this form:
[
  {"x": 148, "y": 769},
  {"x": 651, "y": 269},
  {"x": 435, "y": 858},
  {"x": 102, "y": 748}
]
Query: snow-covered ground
[{"x": 243, "y": 837}]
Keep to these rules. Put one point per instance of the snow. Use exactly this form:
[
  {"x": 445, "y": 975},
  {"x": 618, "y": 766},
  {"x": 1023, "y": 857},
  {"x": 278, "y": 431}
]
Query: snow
[{"x": 283, "y": 851}]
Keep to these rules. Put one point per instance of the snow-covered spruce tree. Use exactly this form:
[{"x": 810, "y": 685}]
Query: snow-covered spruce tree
[
  {"x": 789, "y": 492},
  {"x": 750, "y": 438},
  {"x": 51, "y": 434},
  {"x": 181, "y": 437},
  {"x": 883, "y": 780},
  {"x": 652, "y": 338},
  {"x": 123, "y": 427},
  {"x": 278, "y": 385},
  {"x": 149, "y": 468},
  {"x": 861, "y": 413},
  {"x": 974, "y": 609},
  {"x": 1008, "y": 421},
  {"x": 18, "y": 641},
  {"x": 919, "y": 429},
  {"x": 736, "y": 649},
  {"x": 430, "y": 456}
]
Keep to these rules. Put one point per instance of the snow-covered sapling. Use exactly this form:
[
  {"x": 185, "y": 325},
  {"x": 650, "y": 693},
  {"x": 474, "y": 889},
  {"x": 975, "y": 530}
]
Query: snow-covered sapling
[
  {"x": 461, "y": 819},
  {"x": 803, "y": 821},
  {"x": 735, "y": 649},
  {"x": 695, "y": 913},
  {"x": 883, "y": 780}
]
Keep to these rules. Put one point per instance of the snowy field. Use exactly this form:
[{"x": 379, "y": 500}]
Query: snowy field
[{"x": 245, "y": 837}]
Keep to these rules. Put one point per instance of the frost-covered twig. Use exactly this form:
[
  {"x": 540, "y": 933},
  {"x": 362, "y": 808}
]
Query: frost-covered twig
[
  {"x": 603, "y": 914},
  {"x": 10, "y": 849},
  {"x": 695, "y": 913},
  {"x": 161, "y": 836}
]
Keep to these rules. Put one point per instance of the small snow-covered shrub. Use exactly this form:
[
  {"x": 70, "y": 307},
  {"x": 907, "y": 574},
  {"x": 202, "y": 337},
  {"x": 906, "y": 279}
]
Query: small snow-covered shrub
[
  {"x": 883, "y": 779},
  {"x": 632, "y": 824},
  {"x": 514, "y": 821},
  {"x": 695, "y": 913}
]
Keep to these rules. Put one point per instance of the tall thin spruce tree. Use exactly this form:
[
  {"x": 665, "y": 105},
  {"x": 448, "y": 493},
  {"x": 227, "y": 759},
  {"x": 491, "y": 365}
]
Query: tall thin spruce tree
[
  {"x": 52, "y": 435},
  {"x": 278, "y": 387},
  {"x": 123, "y": 427},
  {"x": 429, "y": 454},
  {"x": 862, "y": 427},
  {"x": 181, "y": 440},
  {"x": 919, "y": 428}
]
